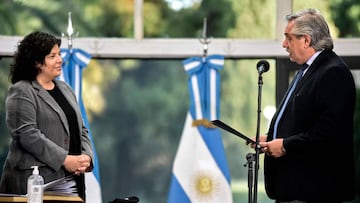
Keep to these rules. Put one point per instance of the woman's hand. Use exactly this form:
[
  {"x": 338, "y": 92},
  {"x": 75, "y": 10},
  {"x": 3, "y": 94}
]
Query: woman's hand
[{"x": 77, "y": 164}]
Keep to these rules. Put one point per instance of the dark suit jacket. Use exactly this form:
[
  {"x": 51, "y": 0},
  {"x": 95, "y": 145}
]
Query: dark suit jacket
[
  {"x": 40, "y": 134},
  {"x": 317, "y": 127}
]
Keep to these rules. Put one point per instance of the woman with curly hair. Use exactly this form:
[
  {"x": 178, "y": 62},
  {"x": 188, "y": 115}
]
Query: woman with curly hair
[{"x": 43, "y": 118}]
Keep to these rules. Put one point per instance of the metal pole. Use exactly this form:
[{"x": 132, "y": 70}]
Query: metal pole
[{"x": 138, "y": 19}]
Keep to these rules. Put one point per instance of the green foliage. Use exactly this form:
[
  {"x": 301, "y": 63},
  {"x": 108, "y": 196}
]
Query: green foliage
[
  {"x": 254, "y": 19},
  {"x": 142, "y": 124},
  {"x": 4, "y": 84},
  {"x": 189, "y": 22},
  {"x": 346, "y": 15}
]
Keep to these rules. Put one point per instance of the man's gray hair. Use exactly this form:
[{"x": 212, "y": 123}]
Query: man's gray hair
[{"x": 311, "y": 22}]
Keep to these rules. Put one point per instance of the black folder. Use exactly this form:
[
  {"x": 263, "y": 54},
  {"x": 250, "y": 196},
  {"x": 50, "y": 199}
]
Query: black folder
[{"x": 226, "y": 127}]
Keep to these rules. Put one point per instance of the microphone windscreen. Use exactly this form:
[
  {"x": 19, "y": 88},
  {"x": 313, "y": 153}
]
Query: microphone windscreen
[{"x": 264, "y": 65}]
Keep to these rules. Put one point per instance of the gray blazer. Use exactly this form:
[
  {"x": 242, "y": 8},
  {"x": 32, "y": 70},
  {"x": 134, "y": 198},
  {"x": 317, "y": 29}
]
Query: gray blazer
[{"x": 40, "y": 134}]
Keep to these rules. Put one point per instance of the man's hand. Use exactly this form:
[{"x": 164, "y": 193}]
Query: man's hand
[
  {"x": 262, "y": 138},
  {"x": 273, "y": 148}
]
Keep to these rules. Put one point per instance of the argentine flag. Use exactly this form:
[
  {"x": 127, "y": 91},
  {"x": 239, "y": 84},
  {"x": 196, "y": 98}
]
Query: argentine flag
[
  {"x": 74, "y": 60},
  {"x": 200, "y": 170}
]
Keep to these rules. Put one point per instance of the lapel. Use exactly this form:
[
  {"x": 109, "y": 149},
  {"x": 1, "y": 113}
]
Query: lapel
[
  {"x": 65, "y": 90},
  {"x": 313, "y": 68},
  {"x": 50, "y": 101}
]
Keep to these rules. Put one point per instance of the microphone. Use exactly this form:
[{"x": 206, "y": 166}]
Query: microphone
[
  {"x": 132, "y": 199},
  {"x": 262, "y": 66}
]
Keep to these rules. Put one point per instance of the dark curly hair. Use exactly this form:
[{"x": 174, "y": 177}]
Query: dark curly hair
[{"x": 30, "y": 52}]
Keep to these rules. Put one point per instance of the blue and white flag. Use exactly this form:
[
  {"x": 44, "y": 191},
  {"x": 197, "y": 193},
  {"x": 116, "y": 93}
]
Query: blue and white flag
[
  {"x": 74, "y": 61},
  {"x": 200, "y": 170}
]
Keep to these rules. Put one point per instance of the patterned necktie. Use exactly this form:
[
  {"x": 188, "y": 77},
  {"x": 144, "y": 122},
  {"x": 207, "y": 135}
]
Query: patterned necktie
[{"x": 291, "y": 90}]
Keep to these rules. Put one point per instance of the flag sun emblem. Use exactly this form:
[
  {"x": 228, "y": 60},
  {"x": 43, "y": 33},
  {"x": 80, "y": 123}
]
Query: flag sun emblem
[{"x": 206, "y": 185}]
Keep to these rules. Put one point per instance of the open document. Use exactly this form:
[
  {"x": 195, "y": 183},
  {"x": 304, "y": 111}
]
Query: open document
[{"x": 64, "y": 186}]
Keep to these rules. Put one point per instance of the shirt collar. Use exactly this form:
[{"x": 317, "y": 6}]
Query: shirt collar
[{"x": 311, "y": 60}]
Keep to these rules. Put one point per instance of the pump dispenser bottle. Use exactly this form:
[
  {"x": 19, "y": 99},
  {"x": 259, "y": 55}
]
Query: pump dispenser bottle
[{"x": 35, "y": 187}]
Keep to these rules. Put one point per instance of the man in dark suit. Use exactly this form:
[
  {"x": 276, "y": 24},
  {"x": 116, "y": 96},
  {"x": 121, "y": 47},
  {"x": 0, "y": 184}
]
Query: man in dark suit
[{"x": 309, "y": 145}]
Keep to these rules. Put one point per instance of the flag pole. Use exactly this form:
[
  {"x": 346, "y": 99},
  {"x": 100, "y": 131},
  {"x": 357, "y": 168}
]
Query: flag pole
[
  {"x": 205, "y": 40},
  {"x": 74, "y": 60},
  {"x": 70, "y": 32}
]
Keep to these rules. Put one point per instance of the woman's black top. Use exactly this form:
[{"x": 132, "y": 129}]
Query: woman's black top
[{"x": 75, "y": 143}]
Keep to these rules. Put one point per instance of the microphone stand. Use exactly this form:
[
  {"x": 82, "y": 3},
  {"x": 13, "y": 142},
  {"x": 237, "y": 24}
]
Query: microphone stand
[
  {"x": 250, "y": 157},
  {"x": 253, "y": 172}
]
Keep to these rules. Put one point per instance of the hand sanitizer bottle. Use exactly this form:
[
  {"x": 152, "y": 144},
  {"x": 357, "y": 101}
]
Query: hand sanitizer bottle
[{"x": 35, "y": 187}]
